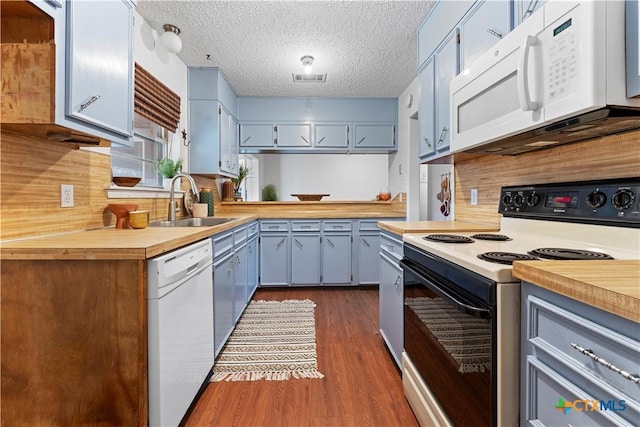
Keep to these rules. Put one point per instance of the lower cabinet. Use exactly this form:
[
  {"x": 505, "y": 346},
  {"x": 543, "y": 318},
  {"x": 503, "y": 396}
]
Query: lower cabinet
[
  {"x": 391, "y": 295},
  {"x": 571, "y": 358},
  {"x": 368, "y": 248},
  {"x": 235, "y": 260},
  {"x": 305, "y": 252},
  {"x": 275, "y": 258}
]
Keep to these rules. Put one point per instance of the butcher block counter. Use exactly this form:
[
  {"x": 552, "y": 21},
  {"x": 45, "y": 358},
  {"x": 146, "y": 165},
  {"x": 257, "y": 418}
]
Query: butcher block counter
[
  {"x": 610, "y": 285},
  {"x": 402, "y": 227}
]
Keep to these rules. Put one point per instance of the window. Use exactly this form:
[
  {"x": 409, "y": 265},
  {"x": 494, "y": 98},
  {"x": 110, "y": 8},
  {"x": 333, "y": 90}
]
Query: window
[{"x": 150, "y": 144}]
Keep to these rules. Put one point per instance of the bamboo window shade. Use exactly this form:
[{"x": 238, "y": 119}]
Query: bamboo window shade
[{"x": 155, "y": 101}]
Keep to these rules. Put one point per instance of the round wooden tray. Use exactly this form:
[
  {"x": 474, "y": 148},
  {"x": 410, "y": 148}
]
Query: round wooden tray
[{"x": 310, "y": 197}]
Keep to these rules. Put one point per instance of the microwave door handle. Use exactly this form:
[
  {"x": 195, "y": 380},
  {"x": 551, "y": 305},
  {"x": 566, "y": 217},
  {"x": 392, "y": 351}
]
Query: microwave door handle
[{"x": 523, "y": 76}]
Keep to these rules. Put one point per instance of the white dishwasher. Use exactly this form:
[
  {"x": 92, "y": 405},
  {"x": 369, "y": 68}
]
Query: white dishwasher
[{"x": 180, "y": 304}]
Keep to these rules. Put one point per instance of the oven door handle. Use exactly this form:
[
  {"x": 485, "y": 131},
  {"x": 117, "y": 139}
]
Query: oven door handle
[{"x": 431, "y": 283}]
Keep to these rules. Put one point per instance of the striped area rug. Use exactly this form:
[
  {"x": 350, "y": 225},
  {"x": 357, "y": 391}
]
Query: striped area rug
[{"x": 273, "y": 340}]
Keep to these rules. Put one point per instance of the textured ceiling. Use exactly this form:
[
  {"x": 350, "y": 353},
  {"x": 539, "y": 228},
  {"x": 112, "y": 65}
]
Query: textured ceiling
[{"x": 367, "y": 48}]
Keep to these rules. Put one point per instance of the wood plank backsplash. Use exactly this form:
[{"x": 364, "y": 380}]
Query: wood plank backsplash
[
  {"x": 611, "y": 157},
  {"x": 31, "y": 171}
]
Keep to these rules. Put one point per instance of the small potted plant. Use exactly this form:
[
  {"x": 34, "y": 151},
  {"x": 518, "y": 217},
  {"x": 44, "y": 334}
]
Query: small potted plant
[
  {"x": 243, "y": 172},
  {"x": 269, "y": 193},
  {"x": 169, "y": 168}
]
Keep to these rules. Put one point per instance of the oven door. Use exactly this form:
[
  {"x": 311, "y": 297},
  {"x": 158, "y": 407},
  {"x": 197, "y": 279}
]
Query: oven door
[{"x": 449, "y": 336}]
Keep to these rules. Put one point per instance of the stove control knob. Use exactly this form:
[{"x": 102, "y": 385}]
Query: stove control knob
[
  {"x": 518, "y": 200},
  {"x": 533, "y": 199},
  {"x": 596, "y": 199},
  {"x": 507, "y": 200},
  {"x": 623, "y": 199}
]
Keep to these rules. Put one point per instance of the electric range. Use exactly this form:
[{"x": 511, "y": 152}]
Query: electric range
[{"x": 462, "y": 303}]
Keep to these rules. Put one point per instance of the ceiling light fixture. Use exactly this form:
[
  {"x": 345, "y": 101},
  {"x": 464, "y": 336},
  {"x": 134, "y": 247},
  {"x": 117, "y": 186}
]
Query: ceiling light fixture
[
  {"x": 170, "y": 38},
  {"x": 307, "y": 62}
]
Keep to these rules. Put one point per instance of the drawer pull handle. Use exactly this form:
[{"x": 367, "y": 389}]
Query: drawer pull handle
[
  {"x": 606, "y": 364},
  {"x": 93, "y": 99}
]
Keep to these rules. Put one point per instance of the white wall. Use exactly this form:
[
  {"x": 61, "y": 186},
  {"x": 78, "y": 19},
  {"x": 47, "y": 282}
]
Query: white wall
[
  {"x": 344, "y": 177},
  {"x": 167, "y": 68},
  {"x": 403, "y": 165}
]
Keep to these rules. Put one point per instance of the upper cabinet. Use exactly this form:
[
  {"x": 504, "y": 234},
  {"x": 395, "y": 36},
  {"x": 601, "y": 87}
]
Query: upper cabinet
[
  {"x": 213, "y": 124},
  {"x": 310, "y": 125},
  {"x": 61, "y": 79},
  {"x": 452, "y": 35},
  {"x": 522, "y": 9},
  {"x": 632, "y": 17}
]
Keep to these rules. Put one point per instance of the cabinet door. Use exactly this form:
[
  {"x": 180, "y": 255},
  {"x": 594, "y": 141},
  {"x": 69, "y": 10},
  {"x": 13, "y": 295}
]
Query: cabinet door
[
  {"x": 336, "y": 259},
  {"x": 274, "y": 259},
  {"x": 234, "y": 149},
  {"x": 427, "y": 113},
  {"x": 298, "y": 135},
  {"x": 382, "y": 136},
  {"x": 391, "y": 306},
  {"x": 225, "y": 134},
  {"x": 252, "y": 266},
  {"x": 446, "y": 68},
  {"x": 100, "y": 64},
  {"x": 524, "y": 8},
  {"x": 331, "y": 136},
  {"x": 368, "y": 258},
  {"x": 223, "y": 300},
  {"x": 482, "y": 28},
  {"x": 241, "y": 280},
  {"x": 305, "y": 259},
  {"x": 204, "y": 129},
  {"x": 256, "y": 135}
]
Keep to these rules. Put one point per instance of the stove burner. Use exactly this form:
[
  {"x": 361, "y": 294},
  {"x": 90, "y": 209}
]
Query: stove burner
[
  {"x": 505, "y": 257},
  {"x": 448, "y": 238},
  {"x": 493, "y": 237},
  {"x": 568, "y": 254}
]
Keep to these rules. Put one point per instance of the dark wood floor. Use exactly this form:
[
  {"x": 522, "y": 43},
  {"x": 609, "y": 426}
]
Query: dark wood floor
[{"x": 362, "y": 386}]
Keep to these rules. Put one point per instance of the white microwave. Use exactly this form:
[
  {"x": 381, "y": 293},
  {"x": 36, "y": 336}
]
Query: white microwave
[{"x": 558, "y": 77}]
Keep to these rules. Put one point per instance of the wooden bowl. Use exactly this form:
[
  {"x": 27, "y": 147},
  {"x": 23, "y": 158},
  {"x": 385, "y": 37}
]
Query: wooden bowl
[
  {"x": 126, "y": 181},
  {"x": 310, "y": 197},
  {"x": 121, "y": 211}
]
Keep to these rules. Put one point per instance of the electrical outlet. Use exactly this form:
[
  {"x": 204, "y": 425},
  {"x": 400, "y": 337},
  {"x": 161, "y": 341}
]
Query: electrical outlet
[
  {"x": 66, "y": 195},
  {"x": 474, "y": 196}
]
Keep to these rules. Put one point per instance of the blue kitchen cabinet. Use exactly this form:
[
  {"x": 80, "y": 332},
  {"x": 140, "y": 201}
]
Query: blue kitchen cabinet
[
  {"x": 240, "y": 266},
  {"x": 522, "y": 9},
  {"x": 446, "y": 68},
  {"x": 426, "y": 110},
  {"x": 482, "y": 27},
  {"x": 252, "y": 261},
  {"x": 213, "y": 128},
  {"x": 368, "y": 248},
  {"x": 305, "y": 252},
  {"x": 391, "y": 294},
  {"x": 632, "y": 46},
  {"x": 560, "y": 339},
  {"x": 256, "y": 135},
  {"x": 378, "y": 136},
  {"x": 275, "y": 258},
  {"x": 337, "y": 243},
  {"x": 331, "y": 135},
  {"x": 223, "y": 299},
  {"x": 296, "y": 135},
  {"x": 100, "y": 69}
]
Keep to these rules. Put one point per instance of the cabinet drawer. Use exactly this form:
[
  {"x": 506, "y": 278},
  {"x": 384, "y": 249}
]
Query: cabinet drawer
[
  {"x": 222, "y": 243},
  {"x": 547, "y": 390},
  {"x": 305, "y": 225},
  {"x": 252, "y": 229},
  {"x": 553, "y": 329},
  {"x": 336, "y": 226},
  {"x": 391, "y": 245},
  {"x": 239, "y": 235},
  {"x": 368, "y": 225},
  {"x": 273, "y": 226}
]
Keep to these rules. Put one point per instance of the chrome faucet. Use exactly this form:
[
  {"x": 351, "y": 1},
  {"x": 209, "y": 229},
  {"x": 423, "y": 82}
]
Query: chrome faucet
[{"x": 172, "y": 203}]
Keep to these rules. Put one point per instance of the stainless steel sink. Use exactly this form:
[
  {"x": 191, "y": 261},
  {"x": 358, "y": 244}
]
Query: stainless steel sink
[{"x": 191, "y": 222}]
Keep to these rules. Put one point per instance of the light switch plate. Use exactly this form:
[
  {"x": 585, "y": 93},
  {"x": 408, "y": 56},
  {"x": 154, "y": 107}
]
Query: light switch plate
[
  {"x": 66, "y": 195},
  {"x": 474, "y": 196}
]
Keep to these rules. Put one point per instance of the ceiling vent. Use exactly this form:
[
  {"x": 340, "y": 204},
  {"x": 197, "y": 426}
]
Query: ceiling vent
[{"x": 310, "y": 78}]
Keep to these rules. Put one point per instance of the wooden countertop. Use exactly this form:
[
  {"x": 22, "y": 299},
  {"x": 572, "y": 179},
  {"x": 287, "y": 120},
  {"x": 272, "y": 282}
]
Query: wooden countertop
[
  {"x": 111, "y": 243},
  {"x": 610, "y": 285},
  {"x": 402, "y": 227}
]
